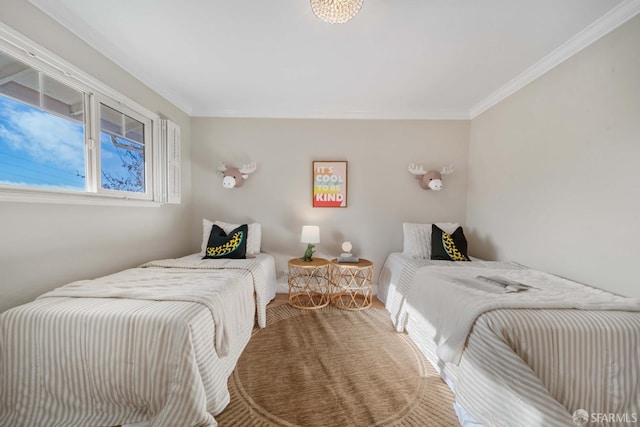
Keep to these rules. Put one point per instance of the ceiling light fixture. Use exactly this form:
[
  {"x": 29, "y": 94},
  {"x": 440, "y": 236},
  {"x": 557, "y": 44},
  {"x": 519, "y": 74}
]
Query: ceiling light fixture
[{"x": 336, "y": 11}]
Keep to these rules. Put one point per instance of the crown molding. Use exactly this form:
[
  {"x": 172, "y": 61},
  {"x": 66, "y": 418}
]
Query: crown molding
[
  {"x": 79, "y": 28},
  {"x": 32, "y": 54},
  {"x": 607, "y": 23},
  {"x": 354, "y": 115}
]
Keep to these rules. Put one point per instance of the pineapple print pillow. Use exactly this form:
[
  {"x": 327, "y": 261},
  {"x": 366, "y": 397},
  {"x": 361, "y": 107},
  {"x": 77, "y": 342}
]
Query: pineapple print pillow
[
  {"x": 448, "y": 247},
  {"x": 222, "y": 245}
]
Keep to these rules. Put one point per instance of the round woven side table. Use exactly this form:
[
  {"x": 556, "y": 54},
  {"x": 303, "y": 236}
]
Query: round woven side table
[
  {"x": 308, "y": 283},
  {"x": 352, "y": 284}
]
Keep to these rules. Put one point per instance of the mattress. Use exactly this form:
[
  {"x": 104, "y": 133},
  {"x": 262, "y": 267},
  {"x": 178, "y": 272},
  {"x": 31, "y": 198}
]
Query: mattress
[{"x": 131, "y": 347}]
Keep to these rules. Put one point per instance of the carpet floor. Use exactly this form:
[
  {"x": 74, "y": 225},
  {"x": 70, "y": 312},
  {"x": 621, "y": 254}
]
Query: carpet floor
[{"x": 331, "y": 367}]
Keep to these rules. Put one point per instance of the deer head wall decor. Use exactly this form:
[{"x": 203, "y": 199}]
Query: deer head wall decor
[
  {"x": 430, "y": 180},
  {"x": 234, "y": 177}
]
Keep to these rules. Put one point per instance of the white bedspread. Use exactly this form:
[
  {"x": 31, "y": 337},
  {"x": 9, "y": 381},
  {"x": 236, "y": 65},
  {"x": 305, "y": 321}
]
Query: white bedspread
[
  {"x": 203, "y": 287},
  {"x": 436, "y": 291},
  {"x": 254, "y": 266},
  {"x": 397, "y": 278}
]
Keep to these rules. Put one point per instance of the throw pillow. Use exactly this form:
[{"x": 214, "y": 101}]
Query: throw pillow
[
  {"x": 254, "y": 235},
  {"x": 449, "y": 247},
  {"x": 221, "y": 245}
]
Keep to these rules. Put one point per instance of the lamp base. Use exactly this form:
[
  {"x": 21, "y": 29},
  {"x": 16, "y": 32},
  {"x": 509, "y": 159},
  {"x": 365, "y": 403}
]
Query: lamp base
[{"x": 307, "y": 254}]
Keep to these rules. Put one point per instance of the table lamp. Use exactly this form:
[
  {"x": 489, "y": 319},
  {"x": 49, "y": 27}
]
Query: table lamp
[{"x": 310, "y": 235}]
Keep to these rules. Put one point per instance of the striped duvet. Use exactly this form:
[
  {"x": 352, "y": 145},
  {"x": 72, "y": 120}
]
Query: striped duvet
[
  {"x": 452, "y": 301},
  {"x": 115, "y": 353},
  {"x": 531, "y": 367},
  {"x": 535, "y": 367}
]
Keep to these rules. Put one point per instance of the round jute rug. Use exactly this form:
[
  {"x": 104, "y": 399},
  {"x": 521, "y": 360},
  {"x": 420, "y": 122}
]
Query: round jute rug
[{"x": 331, "y": 367}]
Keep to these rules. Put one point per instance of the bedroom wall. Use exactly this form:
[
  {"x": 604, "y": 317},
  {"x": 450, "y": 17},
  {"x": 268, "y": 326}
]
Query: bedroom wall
[
  {"x": 47, "y": 245},
  {"x": 381, "y": 192},
  {"x": 554, "y": 181}
]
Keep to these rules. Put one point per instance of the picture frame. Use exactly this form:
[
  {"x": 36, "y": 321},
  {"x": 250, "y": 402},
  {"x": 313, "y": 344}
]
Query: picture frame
[{"x": 329, "y": 183}]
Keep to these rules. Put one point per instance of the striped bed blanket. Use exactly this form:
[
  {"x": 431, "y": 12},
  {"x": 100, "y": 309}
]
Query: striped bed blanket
[
  {"x": 155, "y": 343},
  {"x": 452, "y": 301},
  {"x": 528, "y": 358}
]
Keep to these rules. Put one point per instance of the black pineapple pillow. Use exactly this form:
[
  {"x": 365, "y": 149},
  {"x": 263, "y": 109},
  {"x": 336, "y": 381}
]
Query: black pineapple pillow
[
  {"x": 221, "y": 245},
  {"x": 448, "y": 247}
]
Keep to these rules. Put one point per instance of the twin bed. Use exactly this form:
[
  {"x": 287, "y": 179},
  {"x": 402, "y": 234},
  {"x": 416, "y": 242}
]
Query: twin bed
[
  {"x": 530, "y": 358},
  {"x": 151, "y": 344}
]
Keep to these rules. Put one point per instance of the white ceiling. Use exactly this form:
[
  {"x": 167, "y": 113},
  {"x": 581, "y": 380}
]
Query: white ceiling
[{"x": 395, "y": 59}]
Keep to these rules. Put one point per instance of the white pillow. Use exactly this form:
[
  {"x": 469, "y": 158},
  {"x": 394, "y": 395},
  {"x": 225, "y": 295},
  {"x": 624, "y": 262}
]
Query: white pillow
[
  {"x": 417, "y": 238},
  {"x": 254, "y": 235}
]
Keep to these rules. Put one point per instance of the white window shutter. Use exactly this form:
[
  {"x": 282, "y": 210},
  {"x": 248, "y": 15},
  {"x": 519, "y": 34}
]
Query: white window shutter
[{"x": 171, "y": 137}]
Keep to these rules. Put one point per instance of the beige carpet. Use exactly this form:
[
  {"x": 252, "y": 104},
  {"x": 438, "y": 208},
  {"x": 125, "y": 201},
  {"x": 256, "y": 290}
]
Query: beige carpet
[{"x": 331, "y": 367}]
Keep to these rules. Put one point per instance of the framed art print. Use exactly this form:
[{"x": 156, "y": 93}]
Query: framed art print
[{"x": 329, "y": 184}]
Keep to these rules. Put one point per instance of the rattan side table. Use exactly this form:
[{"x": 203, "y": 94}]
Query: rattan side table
[
  {"x": 352, "y": 284},
  {"x": 309, "y": 283}
]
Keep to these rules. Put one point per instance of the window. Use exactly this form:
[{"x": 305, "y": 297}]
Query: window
[
  {"x": 122, "y": 151},
  {"x": 42, "y": 131},
  {"x": 62, "y": 133}
]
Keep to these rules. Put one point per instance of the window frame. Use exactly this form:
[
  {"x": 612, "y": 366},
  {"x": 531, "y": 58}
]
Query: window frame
[
  {"x": 96, "y": 144},
  {"x": 95, "y": 92}
]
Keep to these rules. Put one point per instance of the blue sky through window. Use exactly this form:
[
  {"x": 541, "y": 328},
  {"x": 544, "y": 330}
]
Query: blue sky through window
[
  {"x": 39, "y": 149},
  {"x": 122, "y": 163}
]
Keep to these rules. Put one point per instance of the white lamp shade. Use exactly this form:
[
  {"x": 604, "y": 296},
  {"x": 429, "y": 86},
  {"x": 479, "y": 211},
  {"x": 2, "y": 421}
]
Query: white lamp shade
[{"x": 310, "y": 234}]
